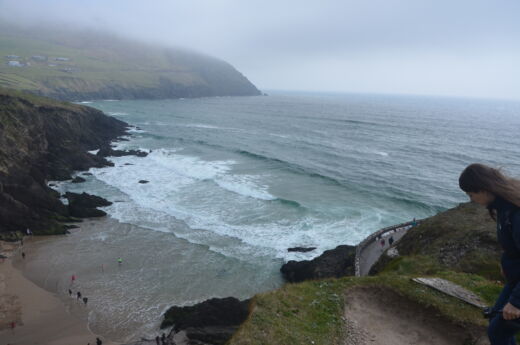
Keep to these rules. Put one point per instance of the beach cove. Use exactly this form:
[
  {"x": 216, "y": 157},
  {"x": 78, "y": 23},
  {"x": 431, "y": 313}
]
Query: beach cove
[
  {"x": 39, "y": 316},
  {"x": 126, "y": 301}
]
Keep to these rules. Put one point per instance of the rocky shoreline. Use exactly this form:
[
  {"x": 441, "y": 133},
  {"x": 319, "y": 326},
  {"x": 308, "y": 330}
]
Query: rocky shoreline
[{"x": 43, "y": 140}]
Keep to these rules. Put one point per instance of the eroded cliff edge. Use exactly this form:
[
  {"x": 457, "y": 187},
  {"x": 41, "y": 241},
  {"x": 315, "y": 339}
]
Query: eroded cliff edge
[{"x": 42, "y": 140}]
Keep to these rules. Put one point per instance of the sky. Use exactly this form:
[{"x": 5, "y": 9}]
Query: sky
[{"x": 467, "y": 48}]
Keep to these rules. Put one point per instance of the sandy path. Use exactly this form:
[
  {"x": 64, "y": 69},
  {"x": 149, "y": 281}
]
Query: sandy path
[
  {"x": 381, "y": 317},
  {"x": 40, "y": 317}
]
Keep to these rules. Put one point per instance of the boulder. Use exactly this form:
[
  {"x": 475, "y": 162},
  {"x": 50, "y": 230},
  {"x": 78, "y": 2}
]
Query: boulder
[
  {"x": 78, "y": 179},
  {"x": 211, "y": 322},
  {"x": 301, "y": 249},
  {"x": 332, "y": 263},
  {"x": 84, "y": 205}
]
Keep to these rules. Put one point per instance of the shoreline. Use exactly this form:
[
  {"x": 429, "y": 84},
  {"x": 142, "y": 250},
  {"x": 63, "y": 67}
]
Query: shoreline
[{"x": 39, "y": 316}]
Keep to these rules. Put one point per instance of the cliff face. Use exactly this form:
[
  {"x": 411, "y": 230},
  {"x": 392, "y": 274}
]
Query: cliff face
[{"x": 42, "y": 140}]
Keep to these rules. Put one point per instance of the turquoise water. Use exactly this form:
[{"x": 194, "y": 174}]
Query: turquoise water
[
  {"x": 304, "y": 169},
  {"x": 242, "y": 179}
]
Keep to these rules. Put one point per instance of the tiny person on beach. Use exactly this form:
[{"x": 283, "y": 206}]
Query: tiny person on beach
[
  {"x": 78, "y": 295},
  {"x": 500, "y": 194}
]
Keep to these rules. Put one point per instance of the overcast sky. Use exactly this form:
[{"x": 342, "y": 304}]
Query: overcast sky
[{"x": 440, "y": 47}]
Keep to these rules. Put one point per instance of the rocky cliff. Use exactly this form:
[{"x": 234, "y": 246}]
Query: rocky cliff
[{"x": 41, "y": 140}]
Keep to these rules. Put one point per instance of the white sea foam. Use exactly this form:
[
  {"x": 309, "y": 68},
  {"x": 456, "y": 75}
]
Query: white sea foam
[
  {"x": 381, "y": 153},
  {"x": 178, "y": 189},
  {"x": 242, "y": 186},
  {"x": 85, "y": 102},
  {"x": 94, "y": 152},
  {"x": 117, "y": 113},
  {"x": 135, "y": 130},
  {"x": 204, "y": 126}
]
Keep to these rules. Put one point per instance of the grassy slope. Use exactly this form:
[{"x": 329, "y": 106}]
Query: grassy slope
[
  {"x": 99, "y": 61},
  {"x": 311, "y": 312}
]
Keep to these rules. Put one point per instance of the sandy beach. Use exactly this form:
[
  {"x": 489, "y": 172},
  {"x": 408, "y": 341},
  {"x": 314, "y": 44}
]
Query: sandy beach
[{"x": 39, "y": 317}]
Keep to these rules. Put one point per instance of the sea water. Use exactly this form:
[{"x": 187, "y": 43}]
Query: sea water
[{"x": 233, "y": 182}]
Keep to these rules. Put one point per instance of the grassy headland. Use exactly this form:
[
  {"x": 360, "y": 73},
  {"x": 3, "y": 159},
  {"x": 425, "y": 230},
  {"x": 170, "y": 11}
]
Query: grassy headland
[
  {"x": 458, "y": 245},
  {"x": 73, "y": 65}
]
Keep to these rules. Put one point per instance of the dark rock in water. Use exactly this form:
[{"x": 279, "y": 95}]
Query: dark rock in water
[
  {"x": 78, "y": 179},
  {"x": 211, "y": 322},
  {"x": 107, "y": 151},
  {"x": 128, "y": 164},
  {"x": 86, "y": 200},
  {"x": 52, "y": 185},
  {"x": 143, "y": 181},
  {"x": 301, "y": 249},
  {"x": 87, "y": 174},
  {"x": 336, "y": 263},
  {"x": 84, "y": 205}
]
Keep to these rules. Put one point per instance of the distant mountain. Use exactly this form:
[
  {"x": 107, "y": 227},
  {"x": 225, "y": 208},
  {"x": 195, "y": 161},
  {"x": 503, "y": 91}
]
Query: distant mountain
[{"x": 74, "y": 65}]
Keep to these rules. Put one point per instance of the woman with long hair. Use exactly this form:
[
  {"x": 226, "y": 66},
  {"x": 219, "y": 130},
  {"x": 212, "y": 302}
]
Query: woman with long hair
[{"x": 500, "y": 194}]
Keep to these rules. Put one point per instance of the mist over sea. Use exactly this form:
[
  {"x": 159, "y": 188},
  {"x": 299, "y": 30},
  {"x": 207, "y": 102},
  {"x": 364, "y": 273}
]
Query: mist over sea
[{"x": 235, "y": 181}]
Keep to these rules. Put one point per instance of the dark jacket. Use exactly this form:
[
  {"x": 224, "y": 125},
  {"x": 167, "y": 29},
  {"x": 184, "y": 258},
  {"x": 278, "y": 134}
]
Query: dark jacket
[{"x": 508, "y": 235}]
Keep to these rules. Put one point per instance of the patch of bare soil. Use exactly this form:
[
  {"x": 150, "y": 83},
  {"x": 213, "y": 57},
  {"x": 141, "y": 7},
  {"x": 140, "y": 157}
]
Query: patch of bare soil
[{"x": 378, "y": 316}]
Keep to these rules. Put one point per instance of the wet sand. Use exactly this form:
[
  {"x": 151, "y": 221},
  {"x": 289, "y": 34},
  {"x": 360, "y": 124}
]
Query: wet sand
[{"x": 39, "y": 316}]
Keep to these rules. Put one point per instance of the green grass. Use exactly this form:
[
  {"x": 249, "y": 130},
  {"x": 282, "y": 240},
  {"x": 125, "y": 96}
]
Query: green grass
[
  {"x": 311, "y": 312},
  {"x": 100, "y": 62}
]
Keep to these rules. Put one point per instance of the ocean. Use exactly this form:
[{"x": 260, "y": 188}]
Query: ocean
[{"x": 233, "y": 182}]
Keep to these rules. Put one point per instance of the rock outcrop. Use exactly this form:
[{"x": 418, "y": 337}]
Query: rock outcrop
[
  {"x": 84, "y": 205},
  {"x": 41, "y": 140},
  {"x": 336, "y": 262},
  {"x": 211, "y": 322}
]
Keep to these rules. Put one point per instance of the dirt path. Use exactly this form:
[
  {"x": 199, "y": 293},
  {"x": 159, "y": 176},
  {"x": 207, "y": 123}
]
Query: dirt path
[{"x": 381, "y": 317}]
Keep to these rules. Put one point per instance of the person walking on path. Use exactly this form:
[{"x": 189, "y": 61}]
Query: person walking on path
[
  {"x": 70, "y": 292},
  {"x": 23, "y": 255},
  {"x": 72, "y": 279},
  {"x": 163, "y": 339},
  {"x": 382, "y": 243},
  {"x": 158, "y": 340},
  {"x": 98, "y": 341},
  {"x": 78, "y": 295},
  {"x": 85, "y": 300},
  {"x": 119, "y": 260},
  {"x": 391, "y": 240},
  {"x": 500, "y": 194}
]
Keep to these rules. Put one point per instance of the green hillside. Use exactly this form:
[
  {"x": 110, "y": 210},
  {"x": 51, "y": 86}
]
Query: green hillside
[{"x": 74, "y": 65}]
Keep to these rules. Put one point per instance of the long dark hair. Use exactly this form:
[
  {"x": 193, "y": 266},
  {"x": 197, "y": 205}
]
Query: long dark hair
[{"x": 479, "y": 177}]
